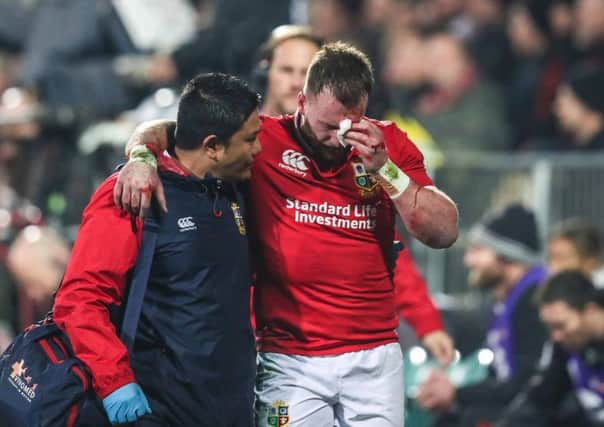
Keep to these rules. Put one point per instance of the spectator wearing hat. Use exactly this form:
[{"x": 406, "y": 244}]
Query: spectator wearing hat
[
  {"x": 580, "y": 107},
  {"x": 503, "y": 257}
]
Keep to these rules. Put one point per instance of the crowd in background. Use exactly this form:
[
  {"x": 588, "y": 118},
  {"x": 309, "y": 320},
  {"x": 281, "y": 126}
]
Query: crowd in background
[{"x": 76, "y": 77}]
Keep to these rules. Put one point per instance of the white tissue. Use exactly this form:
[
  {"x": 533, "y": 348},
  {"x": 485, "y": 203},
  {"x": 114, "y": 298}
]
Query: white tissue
[{"x": 345, "y": 126}]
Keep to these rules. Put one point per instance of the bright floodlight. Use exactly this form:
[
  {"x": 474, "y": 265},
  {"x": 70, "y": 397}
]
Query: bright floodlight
[
  {"x": 417, "y": 355},
  {"x": 164, "y": 97},
  {"x": 485, "y": 357}
]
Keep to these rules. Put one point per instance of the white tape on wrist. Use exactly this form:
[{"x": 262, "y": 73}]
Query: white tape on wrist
[
  {"x": 396, "y": 180},
  {"x": 140, "y": 153}
]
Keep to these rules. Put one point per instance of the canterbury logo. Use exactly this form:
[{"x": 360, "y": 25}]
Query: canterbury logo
[
  {"x": 295, "y": 159},
  {"x": 186, "y": 223},
  {"x": 295, "y": 162}
]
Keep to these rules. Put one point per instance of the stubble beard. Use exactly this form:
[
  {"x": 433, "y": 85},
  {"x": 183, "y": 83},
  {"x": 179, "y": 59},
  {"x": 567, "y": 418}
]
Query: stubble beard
[{"x": 323, "y": 153}]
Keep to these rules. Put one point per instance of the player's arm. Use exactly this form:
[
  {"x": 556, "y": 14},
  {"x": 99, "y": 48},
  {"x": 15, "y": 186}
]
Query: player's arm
[
  {"x": 138, "y": 178},
  {"x": 415, "y": 306},
  {"x": 428, "y": 213}
]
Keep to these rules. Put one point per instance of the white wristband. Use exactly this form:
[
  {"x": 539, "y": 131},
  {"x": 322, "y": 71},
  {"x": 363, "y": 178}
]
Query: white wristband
[{"x": 394, "y": 180}]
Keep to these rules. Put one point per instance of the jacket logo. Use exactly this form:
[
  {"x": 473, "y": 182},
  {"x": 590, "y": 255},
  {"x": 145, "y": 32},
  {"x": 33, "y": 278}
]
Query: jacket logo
[
  {"x": 186, "y": 224},
  {"x": 238, "y": 218},
  {"x": 295, "y": 162},
  {"x": 21, "y": 382}
]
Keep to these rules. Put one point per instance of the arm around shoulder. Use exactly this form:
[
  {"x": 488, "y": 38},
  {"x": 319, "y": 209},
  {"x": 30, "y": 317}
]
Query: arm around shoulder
[
  {"x": 153, "y": 134},
  {"x": 138, "y": 178}
]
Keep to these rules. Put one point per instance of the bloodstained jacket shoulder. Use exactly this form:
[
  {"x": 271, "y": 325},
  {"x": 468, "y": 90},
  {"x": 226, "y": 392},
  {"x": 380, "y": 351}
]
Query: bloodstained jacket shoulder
[{"x": 195, "y": 310}]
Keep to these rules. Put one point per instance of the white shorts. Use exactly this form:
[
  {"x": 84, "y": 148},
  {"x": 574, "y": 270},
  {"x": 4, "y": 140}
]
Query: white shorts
[{"x": 363, "y": 388}]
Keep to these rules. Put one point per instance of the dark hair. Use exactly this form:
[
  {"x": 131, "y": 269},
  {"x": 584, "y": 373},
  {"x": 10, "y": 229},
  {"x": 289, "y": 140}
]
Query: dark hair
[
  {"x": 570, "y": 286},
  {"x": 213, "y": 104},
  {"x": 344, "y": 70},
  {"x": 584, "y": 236}
]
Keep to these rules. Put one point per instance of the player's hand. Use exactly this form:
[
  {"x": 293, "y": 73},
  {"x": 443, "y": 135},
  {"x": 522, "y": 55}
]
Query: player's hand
[
  {"x": 437, "y": 392},
  {"x": 440, "y": 345},
  {"x": 135, "y": 183},
  {"x": 368, "y": 140}
]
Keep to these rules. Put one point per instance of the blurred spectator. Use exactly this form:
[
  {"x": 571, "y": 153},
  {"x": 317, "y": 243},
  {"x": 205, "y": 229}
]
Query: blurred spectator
[
  {"x": 580, "y": 108},
  {"x": 281, "y": 68},
  {"x": 72, "y": 71},
  {"x": 575, "y": 244},
  {"x": 94, "y": 67},
  {"x": 15, "y": 215},
  {"x": 487, "y": 42},
  {"x": 37, "y": 259},
  {"x": 237, "y": 27},
  {"x": 573, "y": 362},
  {"x": 404, "y": 76},
  {"x": 376, "y": 13},
  {"x": 541, "y": 58},
  {"x": 15, "y": 22},
  {"x": 29, "y": 156},
  {"x": 461, "y": 110},
  {"x": 529, "y": 46},
  {"x": 403, "y": 16},
  {"x": 404, "y": 70},
  {"x": 334, "y": 20},
  {"x": 589, "y": 30},
  {"x": 441, "y": 15},
  {"x": 9, "y": 65},
  {"x": 6, "y": 336},
  {"x": 561, "y": 16},
  {"x": 503, "y": 258},
  {"x": 67, "y": 78}
]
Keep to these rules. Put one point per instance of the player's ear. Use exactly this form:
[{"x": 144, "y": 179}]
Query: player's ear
[
  {"x": 212, "y": 146},
  {"x": 301, "y": 102}
]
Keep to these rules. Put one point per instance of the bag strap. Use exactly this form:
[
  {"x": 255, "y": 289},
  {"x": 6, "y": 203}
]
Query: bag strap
[{"x": 138, "y": 284}]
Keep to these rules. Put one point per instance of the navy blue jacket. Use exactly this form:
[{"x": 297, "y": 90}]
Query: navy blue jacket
[{"x": 194, "y": 352}]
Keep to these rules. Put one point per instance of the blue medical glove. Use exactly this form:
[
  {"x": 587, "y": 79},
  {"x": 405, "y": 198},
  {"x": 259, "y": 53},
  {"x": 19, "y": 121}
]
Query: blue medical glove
[{"x": 126, "y": 404}]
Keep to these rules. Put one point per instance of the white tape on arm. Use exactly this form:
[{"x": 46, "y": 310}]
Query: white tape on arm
[
  {"x": 392, "y": 179},
  {"x": 140, "y": 153}
]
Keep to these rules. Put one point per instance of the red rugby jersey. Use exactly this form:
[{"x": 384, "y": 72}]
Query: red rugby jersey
[{"x": 324, "y": 242}]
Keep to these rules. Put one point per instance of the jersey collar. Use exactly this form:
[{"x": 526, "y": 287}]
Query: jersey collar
[{"x": 168, "y": 164}]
